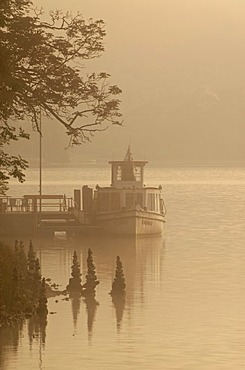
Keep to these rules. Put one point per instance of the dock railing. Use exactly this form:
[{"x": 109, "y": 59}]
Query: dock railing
[{"x": 36, "y": 203}]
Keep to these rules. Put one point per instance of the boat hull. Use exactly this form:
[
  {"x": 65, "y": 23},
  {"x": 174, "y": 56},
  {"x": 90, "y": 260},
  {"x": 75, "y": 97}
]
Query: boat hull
[{"x": 131, "y": 222}]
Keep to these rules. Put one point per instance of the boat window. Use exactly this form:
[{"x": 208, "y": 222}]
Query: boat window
[
  {"x": 157, "y": 202},
  {"x": 129, "y": 200},
  {"x": 162, "y": 207},
  {"x": 115, "y": 202},
  {"x": 140, "y": 199},
  {"x": 133, "y": 198},
  {"x": 151, "y": 202},
  {"x": 104, "y": 202},
  {"x": 128, "y": 171},
  {"x": 138, "y": 173},
  {"x": 119, "y": 173}
]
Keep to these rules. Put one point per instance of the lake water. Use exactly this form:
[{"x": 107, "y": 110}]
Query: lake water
[{"x": 185, "y": 294}]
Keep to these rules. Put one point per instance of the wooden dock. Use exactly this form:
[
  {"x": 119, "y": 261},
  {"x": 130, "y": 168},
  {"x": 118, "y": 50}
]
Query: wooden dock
[{"x": 33, "y": 215}]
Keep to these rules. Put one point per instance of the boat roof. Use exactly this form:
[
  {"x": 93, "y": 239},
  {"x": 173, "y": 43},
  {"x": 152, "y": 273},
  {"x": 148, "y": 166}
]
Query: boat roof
[
  {"x": 112, "y": 188},
  {"x": 132, "y": 161},
  {"x": 129, "y": 158}
]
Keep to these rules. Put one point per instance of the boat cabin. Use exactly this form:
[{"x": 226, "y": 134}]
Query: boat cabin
[
  {"x": 127, "y": 189},
  {"x": 128, "y": 174}
]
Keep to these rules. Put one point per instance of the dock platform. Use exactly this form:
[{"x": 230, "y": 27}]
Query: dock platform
[{"x": 34, "y": 215}]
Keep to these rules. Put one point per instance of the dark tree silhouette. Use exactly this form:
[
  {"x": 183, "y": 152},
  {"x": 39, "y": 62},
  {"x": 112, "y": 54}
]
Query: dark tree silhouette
[
  {"x": 75, "y": 281},
  {"x": 42, "y": 303},
  {"x": 42, "y": 70},
  {"x": 118, "y": 285},
  {"x": 1, "y": 296},
  {"x": 91, "y": 278},
  {"x": 33, "y": 272},
  {"x": 20, "y": 284},
  {"x": 31, "y": 259},
  {"x": 17, "y": 289}
]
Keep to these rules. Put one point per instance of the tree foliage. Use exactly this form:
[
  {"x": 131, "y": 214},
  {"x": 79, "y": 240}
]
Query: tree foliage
[
  {"x": 42, "y": 72},
  {"x": 20, "y": 287}
]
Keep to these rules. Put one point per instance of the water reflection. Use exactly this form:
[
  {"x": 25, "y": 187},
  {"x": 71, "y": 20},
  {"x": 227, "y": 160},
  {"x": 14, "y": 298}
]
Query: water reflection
[
  {"x": 37, "y": 335},
  {"x": 119, "y": 304},
  {"x": 138, "y": 256},
  {"x": 75, "y": 306},
  {"x": 91, "y": 308},
  {"x": 37, "y": 329},
  {"x": 10, "y": 338},
  {"x": 141, "y": 260}
]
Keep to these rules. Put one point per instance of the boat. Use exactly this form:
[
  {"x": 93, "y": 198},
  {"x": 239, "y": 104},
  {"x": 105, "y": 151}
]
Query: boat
[{"x": 127, "y": 206}]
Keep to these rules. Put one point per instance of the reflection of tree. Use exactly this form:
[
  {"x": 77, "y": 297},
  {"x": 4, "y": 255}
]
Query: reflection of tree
[
  {"x": 1, "y": 356},
  {"x": 91, "y": 307},
  {"x": 17, "y": 333},
  {"x": 119, "y": 304},
  {"x": 32, "y": 330},
  {"x": 118, "y": 292},
  {"x": 75, "y": 303},
  {"x": 37, "y": 329},
  {"x": 9, "y": 337},
  {"x": 43, "y": 322}
]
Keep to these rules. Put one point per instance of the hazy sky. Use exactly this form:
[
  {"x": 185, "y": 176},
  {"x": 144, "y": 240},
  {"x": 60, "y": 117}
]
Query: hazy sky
[{"x": 180, "y": 64}]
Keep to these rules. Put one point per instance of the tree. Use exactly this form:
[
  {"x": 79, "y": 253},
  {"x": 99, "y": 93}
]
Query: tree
[
  {"x": 42, "y": 72},
  {"x": 118, "y": 285},
  {"x": 91, "y": 277},
  {"x": 75, "y": 281}
]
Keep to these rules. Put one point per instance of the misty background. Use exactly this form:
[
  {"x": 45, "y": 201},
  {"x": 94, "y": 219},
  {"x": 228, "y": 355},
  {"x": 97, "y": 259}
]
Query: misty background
[{"x": 180, "y": 64}]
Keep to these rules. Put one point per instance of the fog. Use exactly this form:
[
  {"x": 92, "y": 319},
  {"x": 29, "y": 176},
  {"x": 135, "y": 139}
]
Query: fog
[{"x": 180, "y": 64}]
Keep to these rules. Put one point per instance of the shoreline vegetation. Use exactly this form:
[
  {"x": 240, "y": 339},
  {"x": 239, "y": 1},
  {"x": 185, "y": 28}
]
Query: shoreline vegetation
[{"x": 22, "y": 288}]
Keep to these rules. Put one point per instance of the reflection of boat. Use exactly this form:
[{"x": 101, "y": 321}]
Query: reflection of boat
[{"x": 127, "y": 206}]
